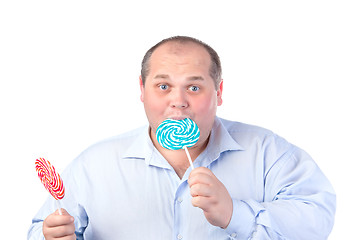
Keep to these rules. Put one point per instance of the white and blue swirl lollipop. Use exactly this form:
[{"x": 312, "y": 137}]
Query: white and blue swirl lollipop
[{"x": 178, "y": 134}]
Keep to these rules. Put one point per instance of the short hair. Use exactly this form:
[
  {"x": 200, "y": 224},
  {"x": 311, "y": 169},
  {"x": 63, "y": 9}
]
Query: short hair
[{"x": 215, "y": 66}]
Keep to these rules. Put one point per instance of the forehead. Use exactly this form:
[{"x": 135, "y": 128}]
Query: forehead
[{"x": 180, "y": 53}]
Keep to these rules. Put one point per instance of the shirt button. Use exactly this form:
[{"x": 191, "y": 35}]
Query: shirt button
[
  {"x": 179, "y": 236},
  {"x": 233, "y": 235},
  {"x": 180, "y": 199}
]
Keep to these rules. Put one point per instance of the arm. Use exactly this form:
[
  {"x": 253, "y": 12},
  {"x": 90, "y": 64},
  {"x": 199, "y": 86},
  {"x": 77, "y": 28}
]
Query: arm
[{"x": 298, "y": 203}]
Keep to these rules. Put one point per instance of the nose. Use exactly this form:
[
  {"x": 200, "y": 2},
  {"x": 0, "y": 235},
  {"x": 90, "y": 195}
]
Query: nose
[{"x": 178, "y": 99}]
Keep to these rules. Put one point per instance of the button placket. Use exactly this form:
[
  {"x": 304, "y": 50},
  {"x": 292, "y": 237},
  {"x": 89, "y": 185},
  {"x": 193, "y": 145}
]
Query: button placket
[
  {"x": 233, "y": 235},
  {"x": 178, "y": 210}
]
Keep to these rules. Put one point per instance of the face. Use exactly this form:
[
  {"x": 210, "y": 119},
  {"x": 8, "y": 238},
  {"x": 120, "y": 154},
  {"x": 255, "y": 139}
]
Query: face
[{"x": 179, "y": 86}]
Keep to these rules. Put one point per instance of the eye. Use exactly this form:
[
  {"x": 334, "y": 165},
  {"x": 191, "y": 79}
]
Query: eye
[
  {"x": 163, "y": 87},
  {"x": 194, "y": 88}
]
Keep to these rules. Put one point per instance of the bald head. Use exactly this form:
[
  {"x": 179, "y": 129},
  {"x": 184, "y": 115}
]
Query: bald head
[{"x": 176, "y": 44}]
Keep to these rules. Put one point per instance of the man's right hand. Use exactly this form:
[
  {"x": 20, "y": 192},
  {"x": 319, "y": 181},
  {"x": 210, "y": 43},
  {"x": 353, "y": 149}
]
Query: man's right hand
[{"x": 57, "y": 226}]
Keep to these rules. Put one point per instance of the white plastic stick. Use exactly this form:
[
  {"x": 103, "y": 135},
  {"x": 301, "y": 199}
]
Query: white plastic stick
[
  {"x": 189, "y": 157},
  {"x": 59, "y": 207}
]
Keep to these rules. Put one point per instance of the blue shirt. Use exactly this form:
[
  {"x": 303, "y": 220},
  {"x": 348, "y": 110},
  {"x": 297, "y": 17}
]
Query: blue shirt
[{"x": 123, "y": 188}]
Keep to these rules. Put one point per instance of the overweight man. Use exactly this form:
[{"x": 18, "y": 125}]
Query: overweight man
[{"x": 248, "y": 183}]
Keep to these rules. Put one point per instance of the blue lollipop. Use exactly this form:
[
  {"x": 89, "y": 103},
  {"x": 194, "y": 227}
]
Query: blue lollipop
[{"x": 178, "y": 134}]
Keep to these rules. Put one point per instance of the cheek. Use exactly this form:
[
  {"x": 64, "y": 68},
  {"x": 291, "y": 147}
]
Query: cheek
[
  {"x": 205, "y": 106},
  {"x": 204, "y": 113},
  {"x": 153, "y": 103}
]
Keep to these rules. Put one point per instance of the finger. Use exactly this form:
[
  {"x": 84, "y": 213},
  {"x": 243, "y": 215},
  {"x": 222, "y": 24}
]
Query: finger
[
  {"x": 58, "y": 220},
  {"x": 71, "y": 237},
  {"x": 200, "y": 177},
  {"x": 61, "y": 231},
  {"x": 202, "y": 170},
  {"x": 200, "y": 190},
  {"x": 63, "y": 211},
  {"x": 66, "y": 230},
  {"x": 55, "y": 219},
  {"x": 201, "y": 202}
]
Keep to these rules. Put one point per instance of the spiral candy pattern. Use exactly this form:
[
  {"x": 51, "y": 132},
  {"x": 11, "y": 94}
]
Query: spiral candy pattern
[
  {"x": 50, "y": 179},
  {"x": 176, "y": 134}
]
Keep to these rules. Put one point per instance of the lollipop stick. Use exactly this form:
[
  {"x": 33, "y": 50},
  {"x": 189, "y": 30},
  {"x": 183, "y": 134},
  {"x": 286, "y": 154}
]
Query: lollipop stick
[
  {"x": 189, "y": 157},
  {"x": 59, "y": 207}
]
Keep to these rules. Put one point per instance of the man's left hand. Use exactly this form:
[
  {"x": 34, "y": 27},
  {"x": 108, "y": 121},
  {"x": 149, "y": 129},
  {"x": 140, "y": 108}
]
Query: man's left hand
[{"x": 209, "y": 194}]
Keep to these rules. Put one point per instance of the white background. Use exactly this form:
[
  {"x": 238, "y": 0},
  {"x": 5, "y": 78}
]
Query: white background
[{"x": 69, "y": 78}]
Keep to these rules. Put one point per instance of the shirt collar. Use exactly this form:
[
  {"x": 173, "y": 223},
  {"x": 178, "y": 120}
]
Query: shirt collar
[
  {"x": 139, "y": 145},
  {"x": 143, "y": 148},
  {"x": 220, "y": 141}
]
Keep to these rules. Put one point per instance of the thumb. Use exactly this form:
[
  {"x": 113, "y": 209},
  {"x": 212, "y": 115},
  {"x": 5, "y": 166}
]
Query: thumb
[{"x": 62, "y": 211}]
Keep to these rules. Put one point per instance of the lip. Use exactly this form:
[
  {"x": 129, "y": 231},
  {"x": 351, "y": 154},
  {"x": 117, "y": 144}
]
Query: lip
[{"x": 178, "y": 117}]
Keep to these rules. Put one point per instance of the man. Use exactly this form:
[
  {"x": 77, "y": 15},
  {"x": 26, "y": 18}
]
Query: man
[{"x": 248, "y": 182}]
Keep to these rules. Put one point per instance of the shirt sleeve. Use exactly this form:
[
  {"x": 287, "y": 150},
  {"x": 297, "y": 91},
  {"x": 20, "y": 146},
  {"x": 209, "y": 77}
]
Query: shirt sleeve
[
  {"x": 35, "y": 231},
  {"x": 299, "y": 202}
]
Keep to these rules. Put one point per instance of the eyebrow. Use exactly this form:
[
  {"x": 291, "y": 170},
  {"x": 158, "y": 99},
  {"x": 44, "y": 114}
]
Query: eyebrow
[
  {"x": 163, "y": 76},
  {"x": 167, "y": 77},
  {"x": 195, "y": 78}
]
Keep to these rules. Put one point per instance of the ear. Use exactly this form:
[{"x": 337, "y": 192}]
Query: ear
[
  {"x": 141, "y": 89},
  {"x": 219, "y": 92}
]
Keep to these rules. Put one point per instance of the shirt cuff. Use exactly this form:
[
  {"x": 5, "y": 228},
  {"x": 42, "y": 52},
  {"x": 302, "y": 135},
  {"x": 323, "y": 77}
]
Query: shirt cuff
[{"x": 243, "y": 220}]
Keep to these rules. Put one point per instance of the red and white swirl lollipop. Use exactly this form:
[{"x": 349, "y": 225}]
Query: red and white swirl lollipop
[{"x": 50, "y": 179}]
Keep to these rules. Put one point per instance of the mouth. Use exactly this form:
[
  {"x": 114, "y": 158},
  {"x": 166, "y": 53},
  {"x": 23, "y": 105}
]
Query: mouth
[{"x": 178, "y": 118}]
